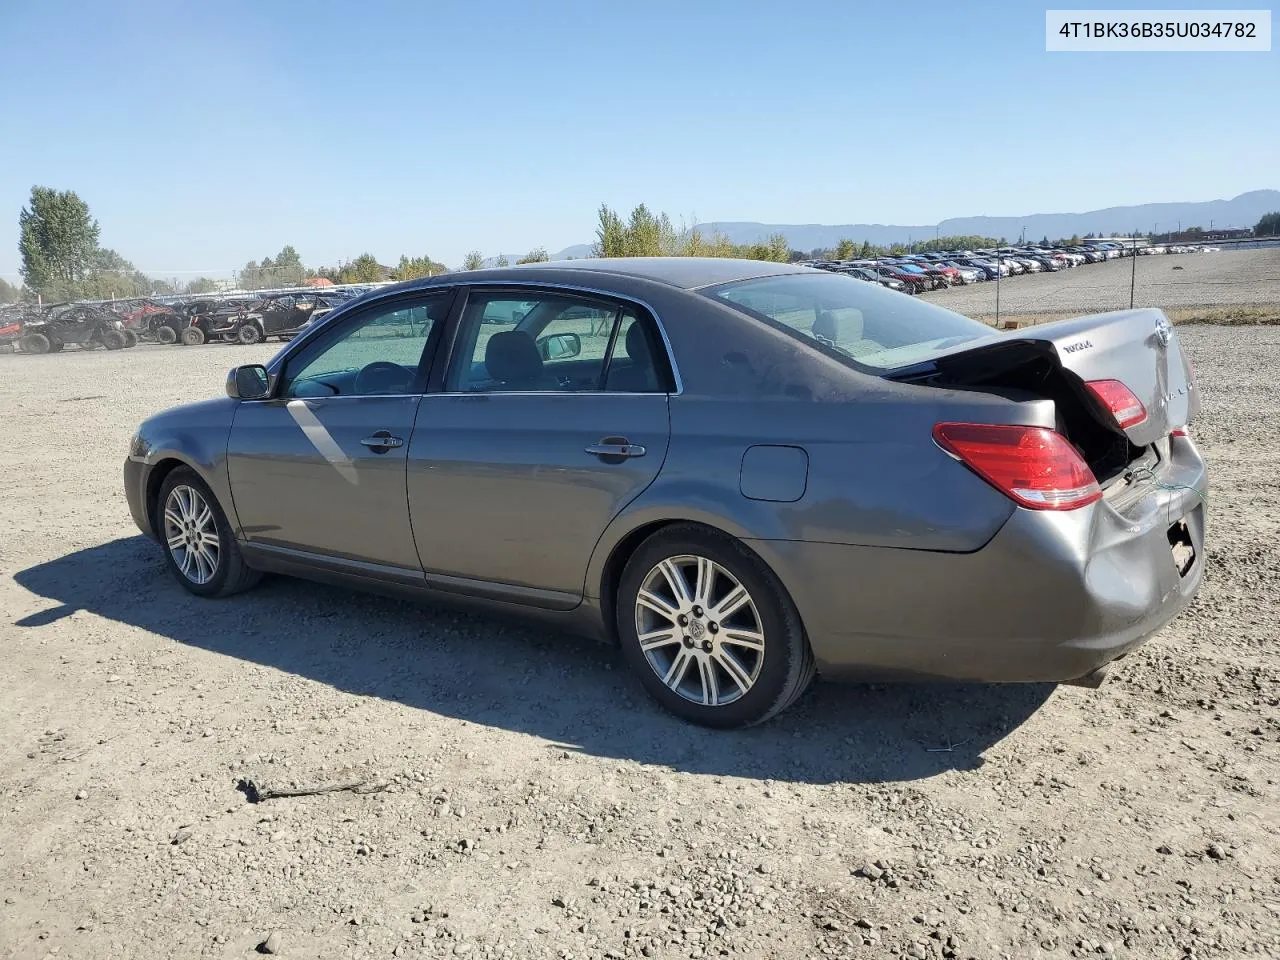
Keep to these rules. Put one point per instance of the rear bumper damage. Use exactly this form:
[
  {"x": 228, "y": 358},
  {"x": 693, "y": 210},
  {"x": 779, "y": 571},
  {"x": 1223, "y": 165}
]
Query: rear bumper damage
[{"x": 1053, "y": 597}]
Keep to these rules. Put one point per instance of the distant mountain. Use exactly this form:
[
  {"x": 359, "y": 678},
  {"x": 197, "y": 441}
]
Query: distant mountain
[{"x": 1242, "y": 211}]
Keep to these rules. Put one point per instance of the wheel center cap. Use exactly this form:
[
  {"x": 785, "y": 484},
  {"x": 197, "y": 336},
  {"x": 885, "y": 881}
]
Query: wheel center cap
[{"x": 696, "y": 629}]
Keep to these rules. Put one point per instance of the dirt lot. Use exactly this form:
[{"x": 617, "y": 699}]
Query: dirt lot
[
  {"x": 537, "y": 805},
  {"x": 1230, "y": 278}
]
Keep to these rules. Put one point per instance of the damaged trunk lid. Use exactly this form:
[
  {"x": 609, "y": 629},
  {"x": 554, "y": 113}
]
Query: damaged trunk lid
[{"x": 1058, "y": 361}]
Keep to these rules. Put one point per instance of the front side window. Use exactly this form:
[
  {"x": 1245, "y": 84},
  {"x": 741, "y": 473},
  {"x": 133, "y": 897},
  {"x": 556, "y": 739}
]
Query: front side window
[
  {"x": 379, "y": 354},
  {"x": 554, "y": 342},
  {"x": 863, "y": 323}
]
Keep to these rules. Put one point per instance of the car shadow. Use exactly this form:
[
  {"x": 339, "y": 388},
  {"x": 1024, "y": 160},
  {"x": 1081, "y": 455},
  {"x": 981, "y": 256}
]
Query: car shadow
[{"x": 573, "y": 692}]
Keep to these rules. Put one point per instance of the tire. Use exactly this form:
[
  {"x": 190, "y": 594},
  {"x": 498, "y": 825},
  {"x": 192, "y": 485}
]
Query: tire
[
  {"x": 165, "y": 333},
  {"x": 113, "y": 339},
  {"x": 249, "y": 334},
  {"x": 192, "y": 336},
  {"x": 768, "y": 651},
  {"x": 55, "y": 346},
  {"x": 6, "y": 348},
  {"x": 130, "y": 338},
  {"x": 215, "y": 570},
  {"x": 34, "y": 343}
]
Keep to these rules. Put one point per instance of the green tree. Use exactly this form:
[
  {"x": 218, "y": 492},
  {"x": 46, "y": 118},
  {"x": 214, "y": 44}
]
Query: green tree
[
  {"x": 201, "y": 285},
  {"x": 611, "y": 235},
  {"x": 502, "y": 261},
  {"x": 536, "y": 255},
  {"x": 363, "y": 269},
  {"x": 1268, "y": 226},
  {"x": 8, "y": 292},
  {"x": 866, "y": 250},
  {"x": 845, "y": 250},
  {"x": 779, "y": 252},
  {"x": 410, "y": 268},
  {"x": 57, "y": 239},
  {"x": 473, "y": 261}
]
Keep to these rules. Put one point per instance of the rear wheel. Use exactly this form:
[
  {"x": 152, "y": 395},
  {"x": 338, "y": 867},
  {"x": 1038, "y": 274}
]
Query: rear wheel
[
  {"x": 249, "y": 334},
  {"x": 113, "y": 339},
  {"x": 709, "y": 629},
  {"x": 193, "y": 336},
  {"x": 130, "y": 338},
  {"x": 166, "y": 334},
  {"x": 199, "y": 544},
  {"x": 55, "y": 346},
  {"x": 34, "y": 343}
]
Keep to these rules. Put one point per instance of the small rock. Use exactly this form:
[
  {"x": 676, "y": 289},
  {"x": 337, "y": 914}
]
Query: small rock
[
  {"x": 917, "y": 952},
  {"x": 764, "y": 868},
  {"x": 1165, "y": 849},
  {"x": 273, "y": 944},
  {"x": 1216, "y": 852},
  {"x": 82, "y": 794},
  {"x": 181, "y": 835}
]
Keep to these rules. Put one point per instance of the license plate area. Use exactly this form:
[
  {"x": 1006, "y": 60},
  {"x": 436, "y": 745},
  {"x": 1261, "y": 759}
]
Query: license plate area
[{"x": 1184, "y": 551}]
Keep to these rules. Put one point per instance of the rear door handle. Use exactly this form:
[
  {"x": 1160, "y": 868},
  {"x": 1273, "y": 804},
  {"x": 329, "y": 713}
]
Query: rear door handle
[
  {"x": 618, "y": 447},
  {"x": 382, "y": 441}
]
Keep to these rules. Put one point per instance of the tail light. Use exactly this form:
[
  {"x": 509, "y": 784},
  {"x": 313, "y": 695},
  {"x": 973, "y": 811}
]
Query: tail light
[
  {"x": 1180, "y": 432},
  {"x": 1034, "y": 466},
  {"x": 1119, "y": 399}
]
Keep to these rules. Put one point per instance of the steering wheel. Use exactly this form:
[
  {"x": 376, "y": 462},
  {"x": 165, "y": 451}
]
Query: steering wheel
[{"x": 381, "y": 376}]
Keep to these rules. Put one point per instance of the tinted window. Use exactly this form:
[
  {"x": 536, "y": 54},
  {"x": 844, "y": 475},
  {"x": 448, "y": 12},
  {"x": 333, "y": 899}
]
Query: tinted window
[
  {"x": 377, "y": 354},
  {"x": 556, "y": 342},
  {"x": 861, "y": 322}
]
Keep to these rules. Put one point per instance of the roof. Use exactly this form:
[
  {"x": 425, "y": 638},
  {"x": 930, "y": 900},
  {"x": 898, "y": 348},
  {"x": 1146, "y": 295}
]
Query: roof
[{"x": 686, "y": 272}]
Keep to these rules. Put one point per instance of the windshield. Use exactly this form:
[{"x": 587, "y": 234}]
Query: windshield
[{"x": 860, "y": 322}]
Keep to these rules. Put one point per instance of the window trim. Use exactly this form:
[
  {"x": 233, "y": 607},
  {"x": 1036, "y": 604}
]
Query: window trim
[
  {"x": 327, "y": 336},
  {"x": 446, "y": 355}
]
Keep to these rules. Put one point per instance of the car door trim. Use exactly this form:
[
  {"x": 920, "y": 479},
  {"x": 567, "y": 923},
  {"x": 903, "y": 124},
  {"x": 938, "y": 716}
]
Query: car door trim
[
  {"x": 280, "y": 559},
  {"x": 463, "y": 285}
]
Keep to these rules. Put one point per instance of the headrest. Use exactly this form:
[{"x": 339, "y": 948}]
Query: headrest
[{"x": 512, "y": 355}]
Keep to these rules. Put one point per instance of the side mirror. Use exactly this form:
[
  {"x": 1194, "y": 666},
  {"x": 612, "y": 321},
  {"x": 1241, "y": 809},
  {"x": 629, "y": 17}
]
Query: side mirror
[
  {"x": 248, "y": 382},
  {"x": 559, "y": 346}
]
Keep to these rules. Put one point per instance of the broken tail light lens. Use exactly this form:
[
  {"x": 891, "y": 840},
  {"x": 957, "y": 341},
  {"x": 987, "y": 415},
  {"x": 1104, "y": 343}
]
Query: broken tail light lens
[
  {"x": 1119, "y": 400},
  {"x": 1034, "y": 466}
]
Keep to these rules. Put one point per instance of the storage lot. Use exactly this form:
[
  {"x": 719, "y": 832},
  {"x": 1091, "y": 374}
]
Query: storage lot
[
  {"x": 540, "y": 806},
  {"x": 1225, "y": 279}
]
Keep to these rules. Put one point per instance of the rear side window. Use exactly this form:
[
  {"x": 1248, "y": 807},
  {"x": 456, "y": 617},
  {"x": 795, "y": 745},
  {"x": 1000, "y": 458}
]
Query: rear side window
[{"x": 859, "y": 322}]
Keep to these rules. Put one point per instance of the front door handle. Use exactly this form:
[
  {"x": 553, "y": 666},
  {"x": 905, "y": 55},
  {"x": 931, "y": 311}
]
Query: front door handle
[
  {"x": 619, "y": 448},
  {"x": 382, "y": 441}
]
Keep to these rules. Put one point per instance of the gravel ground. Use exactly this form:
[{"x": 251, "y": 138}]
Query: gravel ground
[
  {"x": 522, "y": 797},
  {"x": 1228, "y": 278}
]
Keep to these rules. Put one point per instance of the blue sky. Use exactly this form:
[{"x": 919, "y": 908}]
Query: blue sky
[{"x": 204, "y": 135}]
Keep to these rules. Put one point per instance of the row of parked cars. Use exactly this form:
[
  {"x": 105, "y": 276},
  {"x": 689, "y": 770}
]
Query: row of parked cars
[
  {"x": 232, "y": 318},
  {"x": 918, "y": 272}
]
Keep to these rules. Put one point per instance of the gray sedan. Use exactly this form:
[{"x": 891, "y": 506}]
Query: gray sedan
[{"x": 743, "y": 473}]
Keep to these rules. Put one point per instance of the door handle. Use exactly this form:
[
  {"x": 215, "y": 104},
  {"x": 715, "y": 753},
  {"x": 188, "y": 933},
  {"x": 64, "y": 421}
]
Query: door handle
[
  {"x": 616, "y": 447},
  {"x": 382, "y": 441}
]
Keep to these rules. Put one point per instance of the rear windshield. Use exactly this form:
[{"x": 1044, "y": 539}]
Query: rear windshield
[{"x": 855, "y": 320}]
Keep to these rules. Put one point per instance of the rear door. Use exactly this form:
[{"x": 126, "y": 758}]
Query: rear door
[{"x": 553, "y": 417}]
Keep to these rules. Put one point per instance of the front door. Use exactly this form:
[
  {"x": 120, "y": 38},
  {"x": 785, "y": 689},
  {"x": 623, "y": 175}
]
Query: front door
[
  {"x": 320, "y": 467},
  {"x": 553, "y": 418}
]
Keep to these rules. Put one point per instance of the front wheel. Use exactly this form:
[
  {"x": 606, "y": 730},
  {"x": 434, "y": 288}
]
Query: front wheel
[
  {"x": 113, "y": 340},
  {"x": 199, "y": 544},
  {"x": 193, "y": 336},
  {"x": 130, "y": 338},
  {"x": 249, "y": 334},
  {"x": 710, "y": 630},
  {"x": 166, "y": 334}
]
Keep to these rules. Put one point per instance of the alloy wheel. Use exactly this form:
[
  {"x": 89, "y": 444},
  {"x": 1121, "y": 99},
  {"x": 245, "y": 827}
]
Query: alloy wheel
[
  {"x": 700, "y": 630},
  {"x": 191, "y": 533}
]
